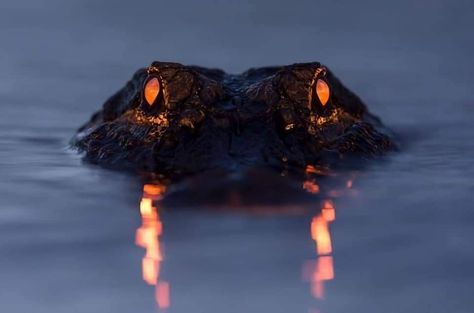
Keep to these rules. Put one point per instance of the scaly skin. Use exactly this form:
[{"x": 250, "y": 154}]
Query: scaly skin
[{"x": 206, "y": 119}]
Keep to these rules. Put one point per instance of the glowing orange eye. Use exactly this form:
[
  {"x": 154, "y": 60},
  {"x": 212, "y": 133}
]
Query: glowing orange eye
[
  {"x": 322, "y": 90},
  {"x": 152, "y": 89}
]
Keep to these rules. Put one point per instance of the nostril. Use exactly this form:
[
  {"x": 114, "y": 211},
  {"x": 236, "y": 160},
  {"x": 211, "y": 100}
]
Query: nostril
[{"x": 288, "y": 118}]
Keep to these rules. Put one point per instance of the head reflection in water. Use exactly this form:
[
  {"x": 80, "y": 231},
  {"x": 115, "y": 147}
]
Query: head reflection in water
[
  {"x": 148, "y": 237},
  {"x": 317, "y": 272}
]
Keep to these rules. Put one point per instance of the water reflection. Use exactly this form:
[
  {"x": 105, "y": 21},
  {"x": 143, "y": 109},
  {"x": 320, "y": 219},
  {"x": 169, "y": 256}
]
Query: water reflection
[
  {"x": 321, "y": 270},
  {"x": 148, "y": 237},
  {"x": 318, "y": 271}
]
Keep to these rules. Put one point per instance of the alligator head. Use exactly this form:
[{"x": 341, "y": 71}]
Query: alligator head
[{"x": 180, "y": 120}]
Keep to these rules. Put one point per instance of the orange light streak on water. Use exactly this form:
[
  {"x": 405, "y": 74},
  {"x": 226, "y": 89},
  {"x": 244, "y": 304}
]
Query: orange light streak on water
[
  {"x": 148, "y": 237},
  {"x": 323, "y": 268},
  {"x": 328, "y": 211},
  {"x": 320, "y": 234},
  {"x": 162, "y": 295}
]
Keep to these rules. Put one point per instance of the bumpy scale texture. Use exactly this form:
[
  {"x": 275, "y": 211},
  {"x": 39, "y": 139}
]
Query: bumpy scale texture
[{"x": 180, "y": 120}]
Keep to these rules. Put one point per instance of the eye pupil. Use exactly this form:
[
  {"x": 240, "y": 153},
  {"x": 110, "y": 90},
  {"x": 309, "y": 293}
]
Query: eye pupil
[
  {"x": 322, "y": 90},
  {"x": 152, "y": 89}
]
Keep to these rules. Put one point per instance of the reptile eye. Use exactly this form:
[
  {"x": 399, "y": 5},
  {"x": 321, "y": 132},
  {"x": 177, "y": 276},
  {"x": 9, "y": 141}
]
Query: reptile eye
[
  {"x": 151, "y": 90},
  {"x": 322, "y": 90}
]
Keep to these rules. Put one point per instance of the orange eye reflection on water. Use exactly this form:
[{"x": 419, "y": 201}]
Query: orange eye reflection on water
[
  {"x": 148, "y": 237},
  {"x": 317, "y": 272},
  {"x": 321, "y": 270}
]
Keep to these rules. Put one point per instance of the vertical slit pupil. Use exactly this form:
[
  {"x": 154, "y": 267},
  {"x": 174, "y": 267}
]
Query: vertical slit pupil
[
  {"x": 322, "y": 90},
  {"x": 152, "y": 89}
]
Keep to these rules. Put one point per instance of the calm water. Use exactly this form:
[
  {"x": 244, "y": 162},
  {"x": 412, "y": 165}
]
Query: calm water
[{"x": 402, "y": 236}]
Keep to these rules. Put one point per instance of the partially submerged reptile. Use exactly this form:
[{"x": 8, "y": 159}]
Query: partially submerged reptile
[{"x": 179, "y": 120}]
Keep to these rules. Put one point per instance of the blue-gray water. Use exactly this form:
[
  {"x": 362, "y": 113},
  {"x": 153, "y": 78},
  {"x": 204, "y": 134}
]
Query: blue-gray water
[{"x": 402, "y": 240}]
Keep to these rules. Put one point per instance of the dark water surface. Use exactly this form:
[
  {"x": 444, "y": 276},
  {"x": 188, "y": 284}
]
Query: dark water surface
[{"x": 402, "y": 240}]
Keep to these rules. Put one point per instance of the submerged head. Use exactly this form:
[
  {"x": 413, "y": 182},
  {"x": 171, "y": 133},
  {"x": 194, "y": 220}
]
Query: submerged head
[{"x": 176, "y": 119}]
